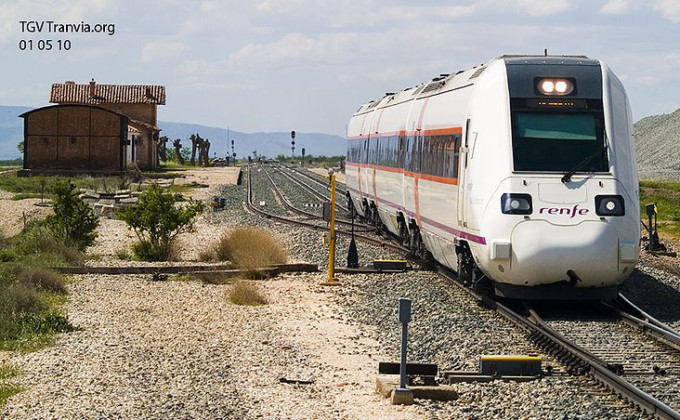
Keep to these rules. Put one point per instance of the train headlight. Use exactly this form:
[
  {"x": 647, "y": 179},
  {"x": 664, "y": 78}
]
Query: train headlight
[
  {"x": 516, "y": 203},
  {"x": 555, "y": 87},
  {"x": 609, "y": 205}
]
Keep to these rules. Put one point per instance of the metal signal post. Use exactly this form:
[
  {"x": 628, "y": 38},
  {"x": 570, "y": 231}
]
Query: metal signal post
[{"x": 331, "y": 247}]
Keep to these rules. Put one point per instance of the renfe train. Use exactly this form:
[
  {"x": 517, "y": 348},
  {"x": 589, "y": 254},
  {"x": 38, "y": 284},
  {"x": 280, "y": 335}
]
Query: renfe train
[{"x": 519, "y": 174}]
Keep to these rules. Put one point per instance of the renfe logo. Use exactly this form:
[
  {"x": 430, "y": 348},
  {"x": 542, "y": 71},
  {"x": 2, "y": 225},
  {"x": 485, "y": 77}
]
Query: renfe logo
[{"x": 564, "y": 210}]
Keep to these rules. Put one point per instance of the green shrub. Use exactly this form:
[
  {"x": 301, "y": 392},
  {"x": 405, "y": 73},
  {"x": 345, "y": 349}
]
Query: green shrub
[
  {"x": 157, "y": 221},
  {"x": 73, "y": 220},
  {"x": 36, "y": 323},
  {"x": 42, "y": 279},
  {"x": 250, "y": 249},
  {"x": 246, "y": 293},
  {"x": 7, "y": 255},
  {"x": 7, "y": 389}
]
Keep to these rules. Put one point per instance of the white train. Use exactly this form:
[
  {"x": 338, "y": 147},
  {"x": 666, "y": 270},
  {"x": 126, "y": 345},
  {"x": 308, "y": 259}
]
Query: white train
[{"x": 519, "y": 174}]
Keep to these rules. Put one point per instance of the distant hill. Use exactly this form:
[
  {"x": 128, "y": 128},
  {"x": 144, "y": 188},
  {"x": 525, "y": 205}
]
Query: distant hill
[
  {"x": 266, "y": 144},
  {"x": 657, "y": 141}
]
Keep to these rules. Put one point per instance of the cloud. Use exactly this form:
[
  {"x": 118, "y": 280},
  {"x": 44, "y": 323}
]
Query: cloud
[
  {"x": 543, "y": 7},
  {"x": 670, "y": 9},
  {"x": 293, "y": 49},
  {"x": 162, "y": 51},
  {"x": 616, "y": 7}
]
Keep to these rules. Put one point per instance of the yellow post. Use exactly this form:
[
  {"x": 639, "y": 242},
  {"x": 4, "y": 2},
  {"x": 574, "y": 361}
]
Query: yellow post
[{"x": 331, "y": 249}]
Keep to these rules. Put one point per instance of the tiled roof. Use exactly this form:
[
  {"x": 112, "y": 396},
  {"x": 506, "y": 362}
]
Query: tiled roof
[{"x": 94, "y": 94}]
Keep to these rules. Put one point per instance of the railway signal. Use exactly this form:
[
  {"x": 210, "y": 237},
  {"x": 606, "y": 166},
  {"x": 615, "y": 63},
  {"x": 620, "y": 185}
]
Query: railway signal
[
  {"x": 331, "y": 237},
  {"x": 292, "y": 142}
]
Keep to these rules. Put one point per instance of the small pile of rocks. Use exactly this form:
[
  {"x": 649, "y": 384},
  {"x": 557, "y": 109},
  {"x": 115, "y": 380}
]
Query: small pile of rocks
[{"x": 106, "y": 204}]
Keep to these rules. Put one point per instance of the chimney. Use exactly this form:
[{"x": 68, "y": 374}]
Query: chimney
[{"x": 92, "y": 88}]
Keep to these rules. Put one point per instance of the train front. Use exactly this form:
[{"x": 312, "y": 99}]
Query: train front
[{"x": 564, "y": 223}]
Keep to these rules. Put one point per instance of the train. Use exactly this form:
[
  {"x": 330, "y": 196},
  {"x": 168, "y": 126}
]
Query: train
[{"x": 519, "y": 174}]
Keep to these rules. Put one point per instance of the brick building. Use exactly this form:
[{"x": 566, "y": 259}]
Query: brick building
[
  {"x": 75, "y": 138},
  {"x": 138, "y": 103}
]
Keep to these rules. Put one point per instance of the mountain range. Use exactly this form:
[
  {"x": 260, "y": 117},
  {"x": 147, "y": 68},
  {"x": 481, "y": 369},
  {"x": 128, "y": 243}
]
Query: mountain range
[{"x": 265, "y": 144}]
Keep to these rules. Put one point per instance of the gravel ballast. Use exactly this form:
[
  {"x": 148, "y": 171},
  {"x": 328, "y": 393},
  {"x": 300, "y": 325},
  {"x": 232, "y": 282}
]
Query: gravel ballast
[{"x": 179, "y": 349}]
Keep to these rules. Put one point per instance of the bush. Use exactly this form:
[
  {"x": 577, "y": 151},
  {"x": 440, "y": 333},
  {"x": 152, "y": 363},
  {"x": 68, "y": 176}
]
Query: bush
[
  {"x": 246, "y": 293},
  {"x": 250, "y": 249},
  {"x": 73, "y": 220},
  {"x": 35, "y": 241},
  {"x": 18, "y": 298},
  {"x": 42, "y": 279},
  {"x": 123, "y": 254},
  {"x": 157, "y": 221},
  {"x": 204, "y": 255}
]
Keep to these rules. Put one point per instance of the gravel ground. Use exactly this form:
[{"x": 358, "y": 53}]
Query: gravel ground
[
  {"x": 16, "y": 212},
  {"x": 180, "y": 350}
]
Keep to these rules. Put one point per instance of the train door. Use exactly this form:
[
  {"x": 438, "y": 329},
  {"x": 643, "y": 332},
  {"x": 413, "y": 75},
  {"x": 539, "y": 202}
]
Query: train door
[{"x": 462, "y": 175}]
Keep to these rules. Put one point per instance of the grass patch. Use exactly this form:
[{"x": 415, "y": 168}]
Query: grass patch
[
  {"x": 247, "y": 293},
  {"x": 123, "y": 254},
  {"x": 31, "y": 293},
  {"x": 250, "y": 249},
  {"x": 24, "y": 196},
  {"x": 213, "y": 278},
  {"x": 666, "y": 195},
  {"x": 7, "y": 389}
]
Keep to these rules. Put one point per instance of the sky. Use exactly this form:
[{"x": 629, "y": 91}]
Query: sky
[{"x": 306, "y": 65}]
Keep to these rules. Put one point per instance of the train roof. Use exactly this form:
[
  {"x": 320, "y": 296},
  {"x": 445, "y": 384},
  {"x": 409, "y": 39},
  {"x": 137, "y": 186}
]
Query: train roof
[{"x": 446, "y": 82}]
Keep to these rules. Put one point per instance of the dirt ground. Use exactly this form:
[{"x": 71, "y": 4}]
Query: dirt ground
[{"x": 301, "y": 334}]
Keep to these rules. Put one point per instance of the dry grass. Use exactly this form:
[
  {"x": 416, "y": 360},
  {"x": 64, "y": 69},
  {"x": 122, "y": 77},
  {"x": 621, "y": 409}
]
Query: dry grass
[
  {"x": 206, "y": 255},
  {"x": 212, "y": 277},
  {"x": 42, "y": 279},
  {"x": 245, "y": 292},
  {"x": 250, "y": 249}
]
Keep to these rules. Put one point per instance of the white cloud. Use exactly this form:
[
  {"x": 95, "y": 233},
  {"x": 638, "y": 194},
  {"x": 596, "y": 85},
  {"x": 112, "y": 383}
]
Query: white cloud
[
  {"x": 293, "y": 49},
  {"x": 544, "y": 7},
  {"x": 616, "y": 7},
  {"x": 670, "y": 9},
  {"x": 162, "y": 51}
]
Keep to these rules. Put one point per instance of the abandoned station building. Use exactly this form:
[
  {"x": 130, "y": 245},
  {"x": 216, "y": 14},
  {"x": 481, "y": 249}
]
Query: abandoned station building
[{"x": 94, "y": 128}]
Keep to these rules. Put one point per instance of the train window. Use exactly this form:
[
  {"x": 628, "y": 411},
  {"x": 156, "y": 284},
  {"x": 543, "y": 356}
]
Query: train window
[
  {"x": 558, "y": 141},
  {"x": 556, "y": 126}
]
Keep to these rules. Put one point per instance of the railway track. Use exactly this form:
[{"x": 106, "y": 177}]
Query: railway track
[
  {"x": 654, "y": 390},
  {"x": 312, "y": 221},
  {"x": 642, "y": 352},
  {"x": 321, "y": 192}
]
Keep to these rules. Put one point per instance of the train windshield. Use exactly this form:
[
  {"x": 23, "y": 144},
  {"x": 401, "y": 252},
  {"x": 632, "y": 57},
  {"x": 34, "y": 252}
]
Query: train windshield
[{"x": 558, "y": 142}]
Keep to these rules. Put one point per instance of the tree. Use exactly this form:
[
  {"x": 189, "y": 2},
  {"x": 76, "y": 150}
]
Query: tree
[
  {"x": 185, "y": 152},
  {"x": 73, "y": 220},
  {"x": 162, "y": 146},
  {"x": 194, "y": 145},
  {"x": 178, "y": 151},
  {"x": 206, "y": 153},
  {"x": 157, "y": 221},
  {"x": 20, "y": 147}
]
